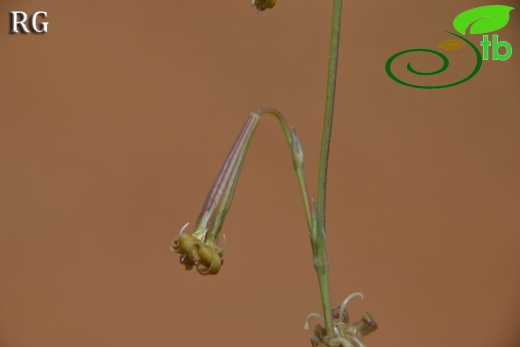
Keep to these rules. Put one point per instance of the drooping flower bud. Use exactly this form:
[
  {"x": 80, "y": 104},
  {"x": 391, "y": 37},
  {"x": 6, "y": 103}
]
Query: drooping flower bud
[{"x": 200, "y": 249}]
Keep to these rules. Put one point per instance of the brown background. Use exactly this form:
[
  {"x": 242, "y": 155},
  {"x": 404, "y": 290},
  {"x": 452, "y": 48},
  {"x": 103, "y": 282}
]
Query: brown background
[{"x": 113, "y": 127}]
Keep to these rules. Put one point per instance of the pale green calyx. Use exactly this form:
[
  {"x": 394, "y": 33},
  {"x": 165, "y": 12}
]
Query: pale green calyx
[{"x": 297, "y": 151}]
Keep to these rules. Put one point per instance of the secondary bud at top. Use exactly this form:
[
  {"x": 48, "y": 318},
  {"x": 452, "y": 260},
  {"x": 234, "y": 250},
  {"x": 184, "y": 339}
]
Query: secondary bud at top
[{"x": 262, "y": 5}]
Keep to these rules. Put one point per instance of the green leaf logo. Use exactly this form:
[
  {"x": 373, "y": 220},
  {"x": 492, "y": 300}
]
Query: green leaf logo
[{"x": 483, "y": 19}]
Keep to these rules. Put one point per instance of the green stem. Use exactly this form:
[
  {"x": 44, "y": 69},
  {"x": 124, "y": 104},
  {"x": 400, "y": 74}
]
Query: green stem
[
  {"x": 329, "y": 107},
  {"x": 322, "y": 264}
]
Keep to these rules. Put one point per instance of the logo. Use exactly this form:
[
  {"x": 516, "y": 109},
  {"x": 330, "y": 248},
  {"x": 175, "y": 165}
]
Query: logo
[
  {"x": 479, "y": 20},
  {"x": 18, "y": 19}
]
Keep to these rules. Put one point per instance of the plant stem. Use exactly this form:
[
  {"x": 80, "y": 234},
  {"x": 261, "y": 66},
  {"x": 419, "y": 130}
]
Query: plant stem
[
  {"x": 322, "y": 265},
  {"x": 322, "y": 269},
  {"x": 329, "y": 107}
]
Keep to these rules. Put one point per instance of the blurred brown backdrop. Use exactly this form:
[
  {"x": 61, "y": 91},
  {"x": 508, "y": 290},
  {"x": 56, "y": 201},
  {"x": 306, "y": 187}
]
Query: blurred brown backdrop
[{"x": 114, "y": 124}]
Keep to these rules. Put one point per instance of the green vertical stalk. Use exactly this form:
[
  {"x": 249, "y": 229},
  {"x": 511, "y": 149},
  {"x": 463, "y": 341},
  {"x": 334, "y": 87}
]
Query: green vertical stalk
[
  {"x": 329, "y": 107},
  {"x": 321, "y": 265}
]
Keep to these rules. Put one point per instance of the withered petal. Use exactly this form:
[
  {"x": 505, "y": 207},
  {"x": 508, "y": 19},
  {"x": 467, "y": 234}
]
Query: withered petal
[{"x": 212, "y": 269}]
